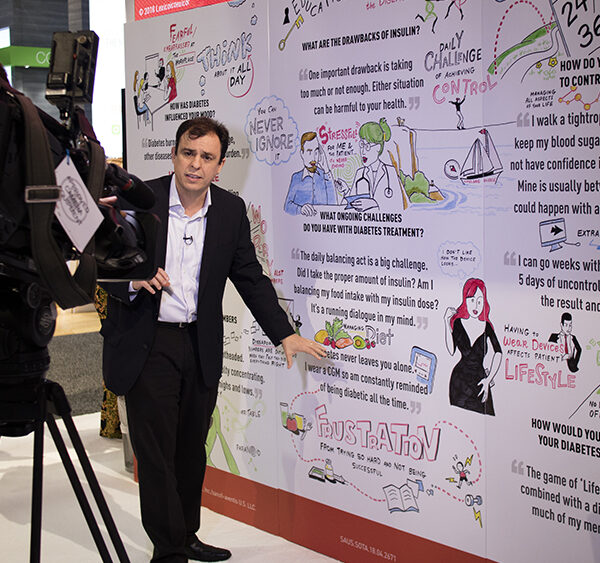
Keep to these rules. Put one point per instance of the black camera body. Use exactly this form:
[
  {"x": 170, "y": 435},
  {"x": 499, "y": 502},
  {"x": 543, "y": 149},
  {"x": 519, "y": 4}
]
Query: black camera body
[
  {"x": 124, "y": 244},
  {"x": 34, "y": 248}
]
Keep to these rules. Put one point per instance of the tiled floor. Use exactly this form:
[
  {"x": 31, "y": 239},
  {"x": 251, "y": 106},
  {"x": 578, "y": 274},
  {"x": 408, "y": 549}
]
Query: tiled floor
[{"x": 65, "y": 536}]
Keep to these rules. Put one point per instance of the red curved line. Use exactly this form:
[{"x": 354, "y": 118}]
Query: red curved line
[
  {"x": 546, "y": 25},
  {"x": 461, "y": 431}
]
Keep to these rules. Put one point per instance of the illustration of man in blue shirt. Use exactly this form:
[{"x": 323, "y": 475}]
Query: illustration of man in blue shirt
[{"x": 313, "y": 185}]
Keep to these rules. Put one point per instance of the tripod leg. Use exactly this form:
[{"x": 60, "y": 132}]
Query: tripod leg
[
  {"x": 61, "y": 406},
  {"x": 95, "y": 488},
  {"x": 36, "y": 493},
  {"x": 78, "y": 489}
]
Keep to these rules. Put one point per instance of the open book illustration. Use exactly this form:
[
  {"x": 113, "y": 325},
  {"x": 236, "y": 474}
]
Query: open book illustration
[{"x": 403, "y": 498}]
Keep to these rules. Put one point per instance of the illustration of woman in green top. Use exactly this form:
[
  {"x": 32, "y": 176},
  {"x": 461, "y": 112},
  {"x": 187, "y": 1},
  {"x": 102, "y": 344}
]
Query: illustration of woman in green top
[{"x": 376, "y": 184}]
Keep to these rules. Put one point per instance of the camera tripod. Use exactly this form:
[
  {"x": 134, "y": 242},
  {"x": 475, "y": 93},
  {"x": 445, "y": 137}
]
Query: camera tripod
[{"x": 50, "y": 400}]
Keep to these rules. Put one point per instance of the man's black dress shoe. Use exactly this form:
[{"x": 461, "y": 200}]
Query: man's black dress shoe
[{"x": 199, "y": 551}]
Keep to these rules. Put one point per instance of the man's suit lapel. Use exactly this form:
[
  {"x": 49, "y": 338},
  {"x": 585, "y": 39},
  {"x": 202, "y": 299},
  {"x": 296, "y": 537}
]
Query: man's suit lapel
[
  {"x": 214, "y": 218},
  {"x": 162, "y": 210}
]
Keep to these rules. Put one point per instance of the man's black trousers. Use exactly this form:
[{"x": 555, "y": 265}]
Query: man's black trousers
[{"x": 169, "y": 410}]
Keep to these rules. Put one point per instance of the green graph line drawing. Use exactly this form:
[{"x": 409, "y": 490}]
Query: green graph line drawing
[{"x": 214, "y": 432}]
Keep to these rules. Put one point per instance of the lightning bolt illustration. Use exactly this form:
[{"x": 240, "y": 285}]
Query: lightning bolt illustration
[
  {"x": 469, "y": 460},
  {"x": 477, "y": 514},
  {"x": 451, "y": 479}
]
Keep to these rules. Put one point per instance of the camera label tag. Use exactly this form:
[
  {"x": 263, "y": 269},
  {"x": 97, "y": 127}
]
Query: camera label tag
[{"x": 76, "y": 210}]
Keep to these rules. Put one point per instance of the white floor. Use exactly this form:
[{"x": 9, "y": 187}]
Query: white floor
[{"x": 65, "y": 535}]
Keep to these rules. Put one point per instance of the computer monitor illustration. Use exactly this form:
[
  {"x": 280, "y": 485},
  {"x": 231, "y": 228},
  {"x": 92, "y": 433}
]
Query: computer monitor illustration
[
  {"x": 553, "y": 233},
  {"x": 423, "y": 363}
]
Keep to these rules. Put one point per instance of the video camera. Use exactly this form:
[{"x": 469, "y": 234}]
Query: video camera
[{"x": 35, "y": 249}]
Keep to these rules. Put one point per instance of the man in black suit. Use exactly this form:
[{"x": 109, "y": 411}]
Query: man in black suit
[
  {"x": 163, "y": 338},
  {"x": 571, "y": 348}
]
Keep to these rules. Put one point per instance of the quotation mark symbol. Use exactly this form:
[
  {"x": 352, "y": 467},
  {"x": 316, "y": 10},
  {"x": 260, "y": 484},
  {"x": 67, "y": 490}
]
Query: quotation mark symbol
[
  {"x": 517, "y": 467},
  {"x": 414, "y": 102},
  {"x": 510, "y": 258}
]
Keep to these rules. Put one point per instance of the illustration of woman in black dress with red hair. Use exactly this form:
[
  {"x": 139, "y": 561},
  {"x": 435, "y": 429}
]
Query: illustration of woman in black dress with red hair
[{"x": 469, "y": 330}]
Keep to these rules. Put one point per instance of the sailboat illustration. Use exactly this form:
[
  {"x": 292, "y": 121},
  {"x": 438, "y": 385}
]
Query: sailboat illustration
[{"x": 482, "y": 163}]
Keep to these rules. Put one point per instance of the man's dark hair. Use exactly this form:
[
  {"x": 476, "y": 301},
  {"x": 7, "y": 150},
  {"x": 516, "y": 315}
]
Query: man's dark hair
[
  {"x": 308, "y": 136},
  {"x": 566, "y": 317},
  {"x": 201, "y": 126}
]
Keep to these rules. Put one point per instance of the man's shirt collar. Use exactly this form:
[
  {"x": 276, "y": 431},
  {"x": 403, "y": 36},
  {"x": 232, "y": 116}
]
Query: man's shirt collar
[{"x": 175, "y": 203}]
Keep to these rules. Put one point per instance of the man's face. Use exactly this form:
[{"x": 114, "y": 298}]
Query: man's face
[
  {"x": 567, "y": 326},
  {"x": 310, "y": 155},
  {"x": 197, "y": 162}
]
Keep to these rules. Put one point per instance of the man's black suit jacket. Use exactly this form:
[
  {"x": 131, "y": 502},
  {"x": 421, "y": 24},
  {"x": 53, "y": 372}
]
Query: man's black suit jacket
[{"x": 130, "y": 326}]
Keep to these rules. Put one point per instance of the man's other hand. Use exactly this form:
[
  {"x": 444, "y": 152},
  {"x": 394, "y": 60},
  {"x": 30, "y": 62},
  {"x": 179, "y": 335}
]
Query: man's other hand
[
  {"x": 295, "y": 343},
  {"x": 159, "y": 281}
]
